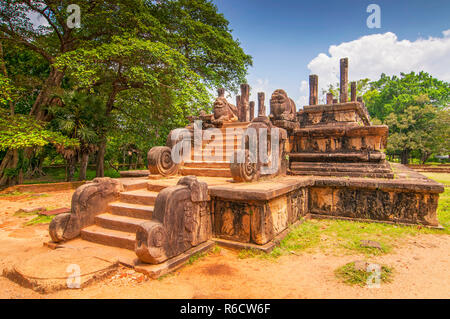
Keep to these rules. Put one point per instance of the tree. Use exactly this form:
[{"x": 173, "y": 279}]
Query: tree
[
  {"x": 19, "y": 132},
  {"x": 415, "y": 107},
  {"x": 187, "y": 31},
  {"x": 189, "y": 50},
  {"x": 362, "y": 86},
  {"x": 79, "y": 117},
  {"x": 395, "y": 94}
]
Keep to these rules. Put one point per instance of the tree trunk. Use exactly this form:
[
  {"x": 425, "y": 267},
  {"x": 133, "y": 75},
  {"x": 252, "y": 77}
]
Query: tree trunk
[
  {"x": 70, "y": 169},
  {"x": 83, "y": 166},
  {"x": 405, "y": 157},
  {"x": 9, "y": 162},
  {"x": 100, "y": 172},
  {"x": 44, "y": 97},
  {"x": 425, "y": 156}
]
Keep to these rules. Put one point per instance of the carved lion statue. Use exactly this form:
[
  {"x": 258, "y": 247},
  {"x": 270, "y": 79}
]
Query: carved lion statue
[
  {"x": 281, "y": 106},
  {"x": 224, "y": 111}
]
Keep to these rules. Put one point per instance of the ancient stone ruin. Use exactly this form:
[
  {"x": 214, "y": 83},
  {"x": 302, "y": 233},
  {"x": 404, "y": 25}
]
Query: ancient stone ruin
[{"x": 242, "y": 179}]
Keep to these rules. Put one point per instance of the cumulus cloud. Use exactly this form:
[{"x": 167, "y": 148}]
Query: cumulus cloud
[
  {"x": 371, "y": 55},
  {"x": 303, "y": 99}
]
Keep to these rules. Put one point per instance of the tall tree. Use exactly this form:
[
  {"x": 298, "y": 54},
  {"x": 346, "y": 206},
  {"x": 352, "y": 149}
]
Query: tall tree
[
  {"x": 192, "y": 28},
  {"x": 415, "y": 107},
  {"x": 396, "y": 93}
]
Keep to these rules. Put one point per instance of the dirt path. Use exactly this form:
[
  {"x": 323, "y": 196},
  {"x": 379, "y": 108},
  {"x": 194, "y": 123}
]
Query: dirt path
[{"x": 420, "y": 265}]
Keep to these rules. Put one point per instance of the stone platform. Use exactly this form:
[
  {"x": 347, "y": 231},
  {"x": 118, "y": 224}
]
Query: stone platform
[{"x": 253, "y": 215}]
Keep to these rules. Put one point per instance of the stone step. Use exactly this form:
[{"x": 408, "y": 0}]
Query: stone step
[
  {"x": 132, "y": 185},
  {"x": 209, "y": 172},
  {"x": 235, "y": 124},
  {"x": 121, "y": 223},
  {"x": 357, "y": 157},
  {"x": 338, "y": 168},
  {"x": 109, "y": 237},
  {"x": 155, "y": 187},
  {"x": 215, "y": 144},
  {"x": 143, "y": 197},
  {"x": 342, "y": 174},
  {"x": 219, "y": 164},
  {"x": 338, "y": 164},
  {"x": 131, "y": 210}
]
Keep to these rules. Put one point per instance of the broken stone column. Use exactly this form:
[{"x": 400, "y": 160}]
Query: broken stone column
[
  {"x": 343, "y": 96},
  {"x": 330, "y": 98},
  {"x": 261, "y": 106},
  {"x": 221, "y": 92},
  {"x": 245, "y": 107},
  {"x": 313, "y": 89},
  {"x": 353, "y": 91},
  {"x": 252, "y": 110},
  {"x": 238, "y": 106}
]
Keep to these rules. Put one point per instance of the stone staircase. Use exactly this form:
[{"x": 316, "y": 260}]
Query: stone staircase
[
  {"x": 118, "y": 225},
  {"x": 206, "y": 162},
  {"x": 373, "y": 170}
]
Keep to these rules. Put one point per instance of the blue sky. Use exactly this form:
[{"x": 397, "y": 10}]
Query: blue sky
[{"x": 286, "y": 38}]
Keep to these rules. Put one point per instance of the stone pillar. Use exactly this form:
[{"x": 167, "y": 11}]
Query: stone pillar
[
  {"x": 238, "y": 106},
  {"x": 221, "y": 92},
  {"x": 335, "y": 101},
  {"x": 353, "y": 91},
  {"x": 261, "y": 106},
  {"x": 343, "y": 96},
  {"x": 330, "y": 98},
  {"x": 252, "y": 110},
  {"x": 245, "y": 107},
  {"x": 313, "y": 88}
]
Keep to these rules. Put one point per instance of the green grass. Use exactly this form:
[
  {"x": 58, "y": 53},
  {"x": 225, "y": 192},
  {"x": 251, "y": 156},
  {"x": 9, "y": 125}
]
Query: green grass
[
  {"x": 351, "y": 276},
  {"x": 443, "y": 178},
  {"x": 195, "y": 257},
  {"x": 15, "y": 193},
  {"x": 39, "y": 219}
]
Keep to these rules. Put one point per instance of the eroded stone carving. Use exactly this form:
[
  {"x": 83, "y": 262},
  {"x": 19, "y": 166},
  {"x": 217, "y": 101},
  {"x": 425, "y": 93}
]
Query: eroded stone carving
[
  {"x": 281, "y": 106},
  {"x": 88, "y": 201},
  {"x": 181, "y": 220},
  {"x": 223, "y": 111},
  {"x": 249, "y": 167},
  {"x": 160, "y": 161}
]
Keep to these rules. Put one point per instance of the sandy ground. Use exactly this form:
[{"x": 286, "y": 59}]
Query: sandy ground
[{"x": 420, "y": 265}]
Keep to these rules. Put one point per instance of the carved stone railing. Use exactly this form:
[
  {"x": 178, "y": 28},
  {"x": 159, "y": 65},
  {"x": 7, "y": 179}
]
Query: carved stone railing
[
  {"x": 181, "y": 220},
  {"x": 160, "y": 161},
  {"x": 88, "y": 201},
  {"x": 248, "y": 166}
]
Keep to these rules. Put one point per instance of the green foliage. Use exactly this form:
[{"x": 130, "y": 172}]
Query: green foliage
[
  {"x": 415, "y": 107},
  {"x": 19, "y": 131},
  {"x": 151, "y": 62},
  {"x": 423, "y": 128},
  {"x": 395, "y": 94},
  {"x": 39, "y": 219},
  {"x": 79, "y": 117},
  {"x": 349, "y": 275},
  {"x": 6, "y": 89}
]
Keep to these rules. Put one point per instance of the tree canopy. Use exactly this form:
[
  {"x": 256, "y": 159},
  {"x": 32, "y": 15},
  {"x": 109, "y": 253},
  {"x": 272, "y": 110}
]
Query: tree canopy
[{"x": 154, "y": 61}]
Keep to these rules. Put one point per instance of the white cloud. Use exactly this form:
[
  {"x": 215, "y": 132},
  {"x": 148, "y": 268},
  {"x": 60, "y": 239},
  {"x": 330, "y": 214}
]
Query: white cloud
[
  {"x": 371, "y": 55},
  {"x": 303, "y": 99}
]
